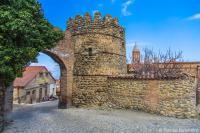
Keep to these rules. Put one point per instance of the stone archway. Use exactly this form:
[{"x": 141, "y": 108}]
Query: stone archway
[
  {"x": 63, "y": 78},
  {"x": 64, "y": 56}
]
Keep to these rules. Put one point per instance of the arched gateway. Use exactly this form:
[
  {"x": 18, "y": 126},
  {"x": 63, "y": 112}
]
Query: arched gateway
[
  {"x": 92, "y": 49},
  {"x": 63, "y": 55}
]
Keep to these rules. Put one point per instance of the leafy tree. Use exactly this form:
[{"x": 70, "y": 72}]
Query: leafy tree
[{"x": 23, "y": 33}]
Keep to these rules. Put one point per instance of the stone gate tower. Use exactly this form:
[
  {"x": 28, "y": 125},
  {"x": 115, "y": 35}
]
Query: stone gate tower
[
  {"x": 99, "y": 45},
  {"x": 99, "y": 51}
]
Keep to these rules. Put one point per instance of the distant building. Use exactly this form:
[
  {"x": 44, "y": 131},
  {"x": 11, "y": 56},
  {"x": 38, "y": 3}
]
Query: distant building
[
  {"x": 55, "y": 88},
  {"x": 191, "y": 68},
  {"x": 136, "y": 54},
  {"x": 52, "y": 90},
  {"x": 58, "y": 86},
  {"x": 36, "y": 84}
]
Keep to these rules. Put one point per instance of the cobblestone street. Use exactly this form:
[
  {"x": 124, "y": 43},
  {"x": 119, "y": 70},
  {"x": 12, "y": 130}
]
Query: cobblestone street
[{"x": 46, "y": 118}]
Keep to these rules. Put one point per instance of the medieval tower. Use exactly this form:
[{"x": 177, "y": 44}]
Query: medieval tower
[{"x": 99, "y": 51}]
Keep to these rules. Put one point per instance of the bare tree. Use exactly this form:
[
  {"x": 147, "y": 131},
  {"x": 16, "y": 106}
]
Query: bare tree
[
  {"x": 129, "y": 58},
  {"x": 160, "y": 65}
]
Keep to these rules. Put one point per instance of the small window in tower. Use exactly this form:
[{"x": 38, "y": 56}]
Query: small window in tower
[{"x": 90, "y": 51}]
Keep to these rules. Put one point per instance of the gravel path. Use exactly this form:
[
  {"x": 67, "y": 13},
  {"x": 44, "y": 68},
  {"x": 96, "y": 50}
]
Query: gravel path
[{"x": 46, "y": 118}]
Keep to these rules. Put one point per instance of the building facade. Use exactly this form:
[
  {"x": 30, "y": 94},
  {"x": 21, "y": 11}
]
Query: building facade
[{"x": 36, "y": 85}]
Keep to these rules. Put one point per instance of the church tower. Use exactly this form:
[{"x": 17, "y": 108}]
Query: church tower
[{"x": 136, "y": 54}]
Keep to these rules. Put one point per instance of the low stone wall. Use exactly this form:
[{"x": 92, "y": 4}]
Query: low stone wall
[
  {"x": 89, "y": 90},
  {"x": 175, "y": 97}
]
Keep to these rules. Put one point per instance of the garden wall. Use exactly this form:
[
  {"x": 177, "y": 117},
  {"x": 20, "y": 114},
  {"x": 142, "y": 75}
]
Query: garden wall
[
  {"x": 176, "y": 97},
  {"x": 89, "y": 91}
]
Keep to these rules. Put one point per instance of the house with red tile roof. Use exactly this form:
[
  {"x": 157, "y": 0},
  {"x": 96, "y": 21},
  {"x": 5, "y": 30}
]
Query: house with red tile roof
[{"x": 33, "y": 86}]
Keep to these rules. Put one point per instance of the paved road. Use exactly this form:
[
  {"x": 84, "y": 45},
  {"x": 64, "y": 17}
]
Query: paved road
[{"x": 46, "y": 118}]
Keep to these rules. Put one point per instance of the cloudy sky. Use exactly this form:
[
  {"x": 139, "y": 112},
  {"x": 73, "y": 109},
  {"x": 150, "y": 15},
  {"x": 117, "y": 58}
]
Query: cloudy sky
[{"x": 158, "y": 24}]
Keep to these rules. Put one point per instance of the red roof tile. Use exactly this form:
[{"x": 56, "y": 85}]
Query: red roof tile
[
  {"x": 28, "y": 75},
  {"x": 135, "y": 66}
]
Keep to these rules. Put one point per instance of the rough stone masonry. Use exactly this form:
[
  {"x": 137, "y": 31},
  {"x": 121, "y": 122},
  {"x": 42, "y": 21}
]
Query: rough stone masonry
[{"x": 100, "y": 73}]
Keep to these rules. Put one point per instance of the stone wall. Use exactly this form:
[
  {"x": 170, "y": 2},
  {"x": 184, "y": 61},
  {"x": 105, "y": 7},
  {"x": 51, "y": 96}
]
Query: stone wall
[
  {"x": 167, "y": 97},
  {"x": 175, "y": 97},
  {"x": 89, "y": 90},
  {"x": 107, "y": 55}
]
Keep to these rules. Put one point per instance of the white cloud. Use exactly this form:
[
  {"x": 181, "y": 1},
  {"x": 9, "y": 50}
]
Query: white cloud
[
  {"x": 195, "y": 17},
  {"x": 125, "y": 6}
]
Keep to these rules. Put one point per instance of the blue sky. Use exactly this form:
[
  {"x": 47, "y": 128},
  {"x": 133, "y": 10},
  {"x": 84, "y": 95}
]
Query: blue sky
[
  {"x": 157, "y": 24},
  {"x": 51, "y": 65}
]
